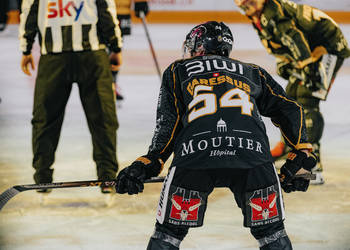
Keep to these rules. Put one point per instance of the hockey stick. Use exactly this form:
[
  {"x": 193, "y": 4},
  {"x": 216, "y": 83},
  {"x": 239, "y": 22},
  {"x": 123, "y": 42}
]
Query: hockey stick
[
  {"x": 143, "y": 18},
  {"x": 307, "y": 176},
  {"x": 11, "y": 192}
]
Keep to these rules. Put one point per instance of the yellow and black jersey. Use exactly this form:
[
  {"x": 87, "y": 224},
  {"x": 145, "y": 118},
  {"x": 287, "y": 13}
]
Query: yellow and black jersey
[
  {"x": 299, "y": 33},
  {"x": 124, "y": 14},
  {"x": 209, "y": 114},
  {"x": 124, "y": 6},
  {"x": 69, "y": 25}
]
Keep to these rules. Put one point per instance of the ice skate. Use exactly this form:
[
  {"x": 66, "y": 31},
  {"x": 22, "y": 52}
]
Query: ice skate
[
  {"x": 109, "y": 194},
  {"x": 318, "y": 169},
  {"x": 319, "y": 177},
  {"x": 119, "y": 96},
  {"x": 107, "y": 190}
]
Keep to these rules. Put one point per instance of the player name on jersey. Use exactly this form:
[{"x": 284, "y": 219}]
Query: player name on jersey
[{"x": 217, "y": 79}]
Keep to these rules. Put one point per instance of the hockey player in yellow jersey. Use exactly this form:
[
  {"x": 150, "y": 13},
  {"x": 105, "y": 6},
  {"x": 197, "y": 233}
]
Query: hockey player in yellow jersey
[
  {"x": 124, "y": 16},
  {"x": 124, "y": 12},
  {"x": 309, "y": 48}
]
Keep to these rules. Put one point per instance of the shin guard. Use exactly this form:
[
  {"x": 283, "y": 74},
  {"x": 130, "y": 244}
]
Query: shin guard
[
  {"x": 163, "y": 241},
  {"x": 277, "y": 241}
]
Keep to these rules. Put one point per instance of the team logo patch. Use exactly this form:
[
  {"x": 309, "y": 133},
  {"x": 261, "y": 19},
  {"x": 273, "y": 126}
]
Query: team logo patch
[
  {"x": 263, "y": 206},
  {"x": 186, "y": 207},
  {"x": 291, "y": 156}
]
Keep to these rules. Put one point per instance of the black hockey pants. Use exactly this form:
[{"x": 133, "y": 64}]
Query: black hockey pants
[
  {"x": 56, "y": 75},
  {"x": 249, "y": 186}
]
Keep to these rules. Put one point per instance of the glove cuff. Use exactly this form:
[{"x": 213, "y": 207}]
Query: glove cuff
[
  {"x": 152, "y": 165},
  {"x": 310, "y": 162}
]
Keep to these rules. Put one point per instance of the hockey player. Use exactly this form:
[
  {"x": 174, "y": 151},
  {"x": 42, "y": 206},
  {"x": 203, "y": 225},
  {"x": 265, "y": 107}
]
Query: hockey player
[
  {"x": 4, "y": 5},
  {"x": 310, "y": 49},
  {"x": 209, "y": 115},
  {"x": 73, "y": 37},
  {"x": 124, "y": 17},
  {"x": 124, "y": 13}
]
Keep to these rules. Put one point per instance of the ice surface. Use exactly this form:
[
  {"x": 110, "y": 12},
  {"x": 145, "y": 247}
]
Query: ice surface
[{"x": 80, "y": 218}]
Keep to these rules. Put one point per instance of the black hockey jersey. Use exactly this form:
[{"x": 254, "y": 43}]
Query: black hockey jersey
[{"x": 209, "y": 114}]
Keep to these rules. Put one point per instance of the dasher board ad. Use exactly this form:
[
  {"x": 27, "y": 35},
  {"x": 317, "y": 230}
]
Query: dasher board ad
[{"x": 227, "y": 5}]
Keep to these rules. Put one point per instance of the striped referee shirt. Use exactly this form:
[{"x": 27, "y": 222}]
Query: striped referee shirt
[{"x": 69, "y": 25}]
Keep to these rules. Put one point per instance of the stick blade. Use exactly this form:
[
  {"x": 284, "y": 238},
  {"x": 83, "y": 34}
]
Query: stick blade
[{"x": 7, "y": 195}]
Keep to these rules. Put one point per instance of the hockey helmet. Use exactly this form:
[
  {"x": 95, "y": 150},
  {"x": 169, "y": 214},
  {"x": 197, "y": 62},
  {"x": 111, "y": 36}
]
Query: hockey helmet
[
  {"x": 250, "y": 7},
  {"x": 209, "y": 38}
]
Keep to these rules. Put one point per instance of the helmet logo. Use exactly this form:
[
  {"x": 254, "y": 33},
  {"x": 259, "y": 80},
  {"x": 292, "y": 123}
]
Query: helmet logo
[
  {"x": 227, "y": 40},
  {"x": 198, "y": 32},
  {"x": 208, "y": 38}
]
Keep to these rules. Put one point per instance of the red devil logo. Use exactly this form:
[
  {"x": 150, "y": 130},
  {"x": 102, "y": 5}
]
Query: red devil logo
[
  {"x": 185, "y": 209},
  {"x": 263, "y": 204}
]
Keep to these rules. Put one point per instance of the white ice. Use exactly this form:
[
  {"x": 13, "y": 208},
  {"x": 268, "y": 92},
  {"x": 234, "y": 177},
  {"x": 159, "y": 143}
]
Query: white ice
[{"x": 79, "y": 218}]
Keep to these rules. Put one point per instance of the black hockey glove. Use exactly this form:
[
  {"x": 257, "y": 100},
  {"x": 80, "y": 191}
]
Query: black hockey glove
[
  {"x": 130, "y": 180},
  {"x": 141, "y": 6},
  {"x": 125, "y": 24},
  {"x": 296, "y": 160},
  {"x": 284, "y": 69},
  {"x": 296, "y": 184}
]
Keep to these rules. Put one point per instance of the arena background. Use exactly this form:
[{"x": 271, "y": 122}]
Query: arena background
[{"x": 83, "y": 218}]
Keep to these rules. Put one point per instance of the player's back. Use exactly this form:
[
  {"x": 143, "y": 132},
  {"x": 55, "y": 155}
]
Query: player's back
[{"x": 222, "y": 126}]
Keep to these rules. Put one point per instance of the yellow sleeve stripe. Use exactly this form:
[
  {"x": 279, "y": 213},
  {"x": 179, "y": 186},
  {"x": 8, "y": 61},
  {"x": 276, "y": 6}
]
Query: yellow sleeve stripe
[
  {"x": 304, "y": 146},
  {"x": 315, "y": 55},
  {"x": 279, "y": 7},
  {"x": 161, "y": 165},
  {"x": 177, "y": 111},
  {"x": 301, "y": 116},
  {"x": 147, "y": 161},
  {"x": 144, "y": 160}
]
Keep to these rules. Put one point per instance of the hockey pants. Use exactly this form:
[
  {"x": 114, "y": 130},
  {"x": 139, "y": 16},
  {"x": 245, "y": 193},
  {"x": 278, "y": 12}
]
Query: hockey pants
[{"x": 249, "y": 186}]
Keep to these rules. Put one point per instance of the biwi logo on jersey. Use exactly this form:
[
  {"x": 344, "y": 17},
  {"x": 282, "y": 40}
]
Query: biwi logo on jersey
[{"x": 58, "y": 9}]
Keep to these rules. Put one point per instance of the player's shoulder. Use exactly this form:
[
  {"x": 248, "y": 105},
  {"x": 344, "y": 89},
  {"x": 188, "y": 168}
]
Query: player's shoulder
[
  {"x": 248, "y": 65},
  {"x": 257, "y": 69},
  {"x": 273, "y": 8},
  {"x": 175, "y": 64},
  {"x": 201, "y": 62},
  {"x": 275, "y": 4},
  {"x": 181, "y": 62}
]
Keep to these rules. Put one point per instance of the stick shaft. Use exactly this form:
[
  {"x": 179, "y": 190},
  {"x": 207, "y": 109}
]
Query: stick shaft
[
  {"x": 143, "y": 18},
  {"x": 91, "y": 183},
  {"x": 11, "y": 192}
]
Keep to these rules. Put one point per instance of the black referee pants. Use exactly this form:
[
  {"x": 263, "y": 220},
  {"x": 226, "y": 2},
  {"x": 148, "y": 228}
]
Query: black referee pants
[{"x": 56, "y": 74}]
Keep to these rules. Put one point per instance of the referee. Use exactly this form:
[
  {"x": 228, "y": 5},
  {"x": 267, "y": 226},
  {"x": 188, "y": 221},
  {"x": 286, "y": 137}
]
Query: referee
[{"x": 73, "y": 36}]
